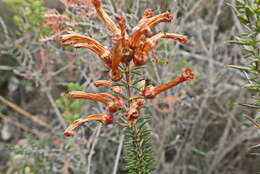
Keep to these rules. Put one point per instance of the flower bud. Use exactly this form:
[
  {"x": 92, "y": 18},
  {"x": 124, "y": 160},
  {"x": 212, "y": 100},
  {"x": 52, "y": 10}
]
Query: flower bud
[
  {"x": 134, "y": 111},
  {"x": 111, "y": 107},
  {"x": 117, "y": 89},
  {"x": 115, "y": 76}
]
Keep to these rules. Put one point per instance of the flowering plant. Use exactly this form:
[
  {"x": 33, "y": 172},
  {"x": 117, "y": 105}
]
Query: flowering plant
[{"x": 124, "y": 61}]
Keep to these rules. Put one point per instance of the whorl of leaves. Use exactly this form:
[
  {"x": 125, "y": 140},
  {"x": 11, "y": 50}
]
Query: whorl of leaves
[{"x": 139, "y": 155}]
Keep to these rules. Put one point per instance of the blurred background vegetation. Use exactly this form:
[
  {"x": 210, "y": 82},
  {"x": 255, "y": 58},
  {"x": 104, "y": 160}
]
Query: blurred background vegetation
[{"x": 198, "y": 130}]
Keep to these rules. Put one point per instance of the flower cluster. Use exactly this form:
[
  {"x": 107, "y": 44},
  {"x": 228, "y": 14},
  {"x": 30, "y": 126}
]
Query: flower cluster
[{"x": 131, "y": 51}]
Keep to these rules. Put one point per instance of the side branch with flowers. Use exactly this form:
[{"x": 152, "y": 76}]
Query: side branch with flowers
[{"x": 124, "y": 60}]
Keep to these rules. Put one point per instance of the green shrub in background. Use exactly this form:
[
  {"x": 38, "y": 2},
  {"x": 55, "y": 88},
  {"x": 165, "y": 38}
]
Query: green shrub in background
[
  {"x": 28, "y": 14},
  {"x": 71, "y": 108},
  {"x": 248, "y": 13}
]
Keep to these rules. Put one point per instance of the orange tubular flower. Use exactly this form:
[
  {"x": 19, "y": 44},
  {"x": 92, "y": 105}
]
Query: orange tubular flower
[
  {"x": 122, "y": 26},
  {"x": 142, "y": 51},
  {"x": 181, "y": 38},
  {"x": 105, "y": 18},
  {"x": 100, "y": 98},
  {"x": 88, "y": 96},
  {"x": 147, "y": 22},
  {"x": 120, "y": 47},
  {"x": 117, "y": 56},
  {"x": 78, "y": 41},
  {"x": 164, "y": 17},
  {"x": 116, "y": 89},
  {"x": 151, "y": 42},
  {"x": 103, "y": 118},
  {"x": 151, "y": 92}
]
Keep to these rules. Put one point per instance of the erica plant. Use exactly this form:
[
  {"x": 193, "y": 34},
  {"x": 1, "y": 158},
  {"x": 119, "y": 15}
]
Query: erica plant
[
  {"x": 128, "y": 89},
  {"x": 248, "y": 13}
]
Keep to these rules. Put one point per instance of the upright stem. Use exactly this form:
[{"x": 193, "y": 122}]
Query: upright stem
[
  {"x": 128, "y": 81},
  {"x": 128, "y": 88}
]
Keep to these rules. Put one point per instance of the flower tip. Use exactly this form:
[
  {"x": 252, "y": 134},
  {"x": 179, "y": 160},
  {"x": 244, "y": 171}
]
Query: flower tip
[
  {"x": 188, "y": 74},
  {"x": 68, "y": 133},
  {"x": 141, "y": 102},
  {"x": 183, "y": 40},
  {"x": 139, "y": 61},
  {"x": 108, "y": 120},
  {"x": 73, "y": 94},
  {"x": 96, "y": 3},
  {"x": 168, "y": 16},
  {"x": 148, "y": 92},
  {"x": 115, "y": 76},
  {"x": 148, "y": 13}
]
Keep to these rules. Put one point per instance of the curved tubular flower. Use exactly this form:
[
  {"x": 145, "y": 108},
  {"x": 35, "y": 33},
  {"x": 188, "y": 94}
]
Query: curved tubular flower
[
  {"x": 73, "y": 38},
  {"x": 116, "y": 89},
  {"x": 105, "y": 18},
  {"x": 149, "y": 44},
  {"x": 121, "y": 21},
  {"x": 164, "y": 17},
  {"x": 105, "y": 119},
  {"x": 117, "y": 56},
  {"x": 79, "y": 41},
  {"x": 179, "y": 37},
  {"x": 121, "y": 46},
  {"x": 146, "y": 23},
  {"x": 111, "y": 105},
  {"x": 151, "y": 92},
  {"x": 88, "y": 96}
]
